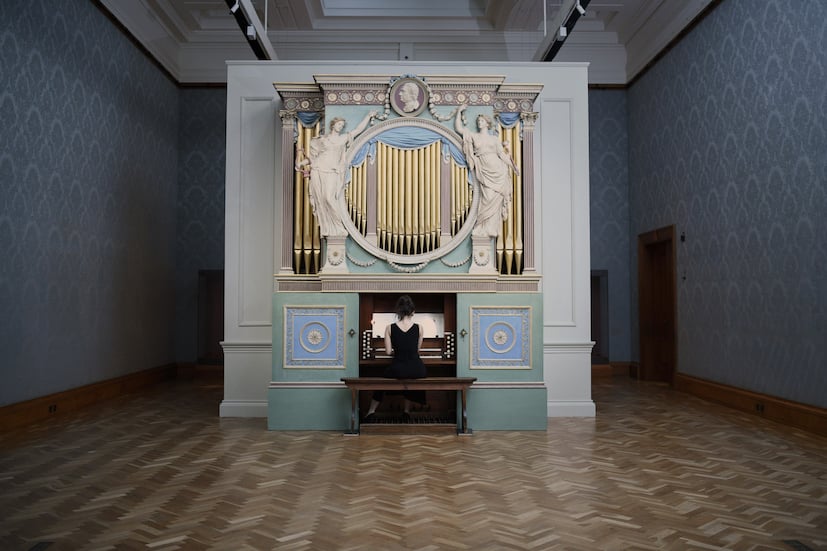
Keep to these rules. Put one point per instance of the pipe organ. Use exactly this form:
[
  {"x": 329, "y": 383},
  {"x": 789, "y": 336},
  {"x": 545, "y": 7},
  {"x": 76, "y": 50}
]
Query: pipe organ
[{"x": 409, "y": 180}]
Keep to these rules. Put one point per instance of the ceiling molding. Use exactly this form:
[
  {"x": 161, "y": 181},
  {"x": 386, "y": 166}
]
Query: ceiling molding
[{"x": 193, "y": 39}]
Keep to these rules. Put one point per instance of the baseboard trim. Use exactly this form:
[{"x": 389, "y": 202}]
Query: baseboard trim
[
  {"x": 21, "y": 414},
  {"x": 611, "y": 369},
  {"x": 244, "y": 408},
  {"x": 809, "y": 418},
  {"x": 584, "y": 408}
]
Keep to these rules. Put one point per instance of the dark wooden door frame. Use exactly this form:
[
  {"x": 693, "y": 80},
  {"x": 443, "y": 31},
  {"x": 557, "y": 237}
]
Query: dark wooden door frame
[
  {"x": 210, "y": 317},
  {"x": 657, "y": 304},
  {"x": 600, "y": 315}
]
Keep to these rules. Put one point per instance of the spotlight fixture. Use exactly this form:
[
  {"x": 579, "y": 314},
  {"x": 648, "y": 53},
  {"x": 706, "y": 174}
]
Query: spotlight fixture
[
  {"x": 251, "y": 27},
  {"x": 565, "y": 20}
]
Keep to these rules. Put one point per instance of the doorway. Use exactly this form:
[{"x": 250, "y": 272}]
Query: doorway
[
  {"x": 600, "y": 316},
  {"x": 210, "y": 317},
  {"x": 657, "y": 305}
]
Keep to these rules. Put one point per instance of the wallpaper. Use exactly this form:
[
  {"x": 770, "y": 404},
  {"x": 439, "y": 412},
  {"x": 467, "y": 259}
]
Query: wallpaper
[
  {"x": 728, "y": 140},
  {"x": 609, "y": 209},
  {"x": 87, "y": 201},
  {"x": 199, "y": 205}
]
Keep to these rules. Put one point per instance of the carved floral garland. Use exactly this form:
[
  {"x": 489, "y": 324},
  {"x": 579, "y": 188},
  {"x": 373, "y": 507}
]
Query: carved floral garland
[
  {"x": 456, "y": 264},
  {"x": 361, "y": 263},
  {"x": 407, "y": 269}
]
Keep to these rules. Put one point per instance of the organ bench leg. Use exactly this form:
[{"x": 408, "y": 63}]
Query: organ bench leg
[{"x": 354, "y": 402}]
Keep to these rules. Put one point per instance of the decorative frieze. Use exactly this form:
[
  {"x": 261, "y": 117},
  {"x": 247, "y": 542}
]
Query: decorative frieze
[
  {"x": 438, "y": 283},
  {"x": 384, "y": 90}
]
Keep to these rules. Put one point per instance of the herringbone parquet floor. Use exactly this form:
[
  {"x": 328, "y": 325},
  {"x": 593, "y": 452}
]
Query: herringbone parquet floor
[{"x": 655, "y": 469}]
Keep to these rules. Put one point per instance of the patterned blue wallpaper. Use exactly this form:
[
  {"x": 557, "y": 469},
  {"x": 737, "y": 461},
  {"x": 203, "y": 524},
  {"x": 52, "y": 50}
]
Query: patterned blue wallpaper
[
  {"x": 200, "y": 205},
  {"x": 609, "y": 209},
  {"x": 88, "y": 163},
  {"x": 728, "y": 140}
]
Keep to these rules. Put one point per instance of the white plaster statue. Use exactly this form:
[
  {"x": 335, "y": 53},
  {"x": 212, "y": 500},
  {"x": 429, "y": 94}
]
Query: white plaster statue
[
  {"x": 327, "y": 173},
  {"x": 409, "y": 95},
  {"x": 491, "y": 164}
]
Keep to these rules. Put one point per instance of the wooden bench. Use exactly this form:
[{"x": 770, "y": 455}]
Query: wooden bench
[{"x": 357, "y": 384}]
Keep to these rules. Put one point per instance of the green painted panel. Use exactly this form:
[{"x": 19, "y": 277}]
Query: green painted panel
[
  {"x": 507, "y": 409},
  {"x": 308, "y": 409}
]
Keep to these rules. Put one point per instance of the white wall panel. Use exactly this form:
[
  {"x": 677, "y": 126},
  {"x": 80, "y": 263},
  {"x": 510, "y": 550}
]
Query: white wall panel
[{"x": 561, "y": 212}]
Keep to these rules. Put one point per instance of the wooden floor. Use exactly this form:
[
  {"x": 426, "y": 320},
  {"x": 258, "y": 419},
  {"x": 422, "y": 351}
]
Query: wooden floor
[{"x": 655, "y": 469}]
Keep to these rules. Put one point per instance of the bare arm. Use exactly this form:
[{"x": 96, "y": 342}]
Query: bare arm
[
  {"x": 364, "y": 124},
  {"x": 419, "y": 345},
  {"x": 388, "y": 348},
  {"x": 458, "y": 120},
  {"x": 505, "y": 155}
]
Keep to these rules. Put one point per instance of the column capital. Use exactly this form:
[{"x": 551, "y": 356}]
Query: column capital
[{"x": 529, "y": 119}]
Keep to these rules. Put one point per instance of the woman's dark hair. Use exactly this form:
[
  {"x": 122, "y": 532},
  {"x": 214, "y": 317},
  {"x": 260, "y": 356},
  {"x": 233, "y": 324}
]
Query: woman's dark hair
[{"x": 405, "y": 307}]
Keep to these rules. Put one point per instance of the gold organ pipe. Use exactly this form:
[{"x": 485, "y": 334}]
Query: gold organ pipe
[
  {"x": 380, "y": 214},
  {"x": 382, "y": 196},
  {"x": 407, "y": 200},
  {"x": 434, "y": 195},
  {"x": 454, "y": 201},
  {"x": 437, "y": 231},
  {"x": 364, "y": 203},
  {"x": 508, "y": 231},
  {"x": 298, "y": 199},
  {"x": 518, "y": 203},
  {"x": 427, "y": 185},
  {"x": 428, "y": 199},
  {"x": 419, "y": 205},
  {"x": 437, "y": 221},
  {"x": 358, "y": 184},
  {"x": 348, "y": 191},
  {"x": 395, "y": 228},
  {"x": 389, "y": 198},
  {"x": 424, "y": 202},
  {"x": 353, "y": 189}
]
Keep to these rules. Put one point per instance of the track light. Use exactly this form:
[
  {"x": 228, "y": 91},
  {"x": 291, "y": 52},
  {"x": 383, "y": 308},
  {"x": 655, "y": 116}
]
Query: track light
[
  {"x": 580, "y": 8},
  {"x": 251, "y": 32},
  {"x": 235, "y": 7}
]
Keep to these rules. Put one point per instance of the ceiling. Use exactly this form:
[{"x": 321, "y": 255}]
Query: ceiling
[{"x": 193, "y": 38}]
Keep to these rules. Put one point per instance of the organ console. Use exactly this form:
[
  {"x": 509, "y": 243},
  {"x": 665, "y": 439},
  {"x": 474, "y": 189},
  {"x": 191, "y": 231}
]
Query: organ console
[{"x": 436, "y": 314}]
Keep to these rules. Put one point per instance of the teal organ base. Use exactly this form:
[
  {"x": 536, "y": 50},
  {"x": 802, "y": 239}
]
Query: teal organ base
[{"x": 316, "y": 343}]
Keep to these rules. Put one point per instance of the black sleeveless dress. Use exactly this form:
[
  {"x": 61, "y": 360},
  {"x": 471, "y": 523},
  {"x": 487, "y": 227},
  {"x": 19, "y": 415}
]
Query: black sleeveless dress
[{"x": 406, "y": 363}]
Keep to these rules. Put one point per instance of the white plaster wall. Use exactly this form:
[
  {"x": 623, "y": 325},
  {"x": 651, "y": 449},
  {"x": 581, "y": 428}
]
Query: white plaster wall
[{"x": 253, "y": 204}]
